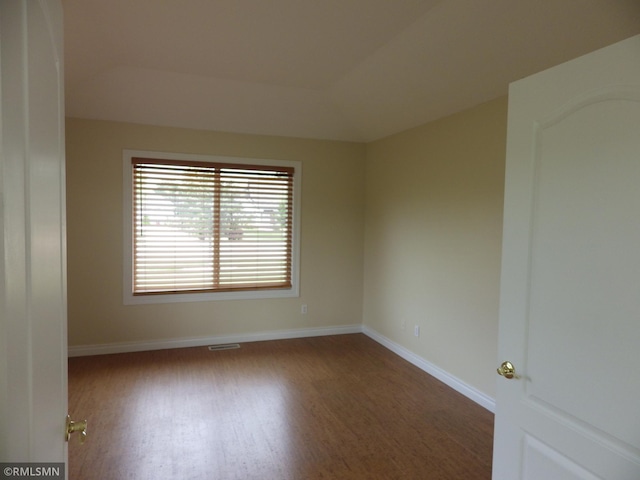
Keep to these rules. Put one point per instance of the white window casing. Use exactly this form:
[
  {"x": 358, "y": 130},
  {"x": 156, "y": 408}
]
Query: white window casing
[{"x": 201, "y": 227}]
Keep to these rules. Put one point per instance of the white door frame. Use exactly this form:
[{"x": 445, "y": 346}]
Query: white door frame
[{"x": 33, "y": 309}]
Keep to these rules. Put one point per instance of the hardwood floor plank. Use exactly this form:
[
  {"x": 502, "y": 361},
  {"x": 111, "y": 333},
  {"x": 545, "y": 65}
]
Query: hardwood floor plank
[{"x": 340, "y": 407}]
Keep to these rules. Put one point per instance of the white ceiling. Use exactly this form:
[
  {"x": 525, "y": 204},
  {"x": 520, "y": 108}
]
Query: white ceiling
[{"x": 354, "y": 70}]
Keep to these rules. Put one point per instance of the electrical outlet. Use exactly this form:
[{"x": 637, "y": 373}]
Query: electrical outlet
[
  {"x": 303, "y": 309},
  {"x": 416, "y": 331},
  {"x": 403, "y": 324}
]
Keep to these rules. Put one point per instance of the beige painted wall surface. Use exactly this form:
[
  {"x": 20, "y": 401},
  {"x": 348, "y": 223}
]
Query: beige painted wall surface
[
  {"x": 433, "y": 230},
  {"x": 332, "y": 229}
]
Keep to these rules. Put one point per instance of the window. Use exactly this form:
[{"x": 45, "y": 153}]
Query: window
[{"x": 202, "y": 228}]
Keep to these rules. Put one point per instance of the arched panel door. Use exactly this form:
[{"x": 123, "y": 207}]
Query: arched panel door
[{"x": 570, "y": 287}]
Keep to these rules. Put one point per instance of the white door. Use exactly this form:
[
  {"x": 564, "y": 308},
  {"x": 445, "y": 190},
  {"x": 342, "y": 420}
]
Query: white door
[
  {"x": 570, "y": 288},
  {"x": 33, "y": 343}
]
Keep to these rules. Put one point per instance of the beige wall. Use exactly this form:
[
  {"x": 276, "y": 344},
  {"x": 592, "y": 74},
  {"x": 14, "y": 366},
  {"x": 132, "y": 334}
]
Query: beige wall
[
  {"x": 433, "y": 240},
  {"x": 331, "y": 237},
  {"x": 426, "y": 205}
]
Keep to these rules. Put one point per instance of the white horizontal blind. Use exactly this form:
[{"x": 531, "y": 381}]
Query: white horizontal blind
[{"x": 202, "y": 226}]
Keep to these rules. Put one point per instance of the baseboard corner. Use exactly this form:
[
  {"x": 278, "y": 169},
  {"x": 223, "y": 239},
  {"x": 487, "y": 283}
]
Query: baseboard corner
[{"x": 465, "y": 389}]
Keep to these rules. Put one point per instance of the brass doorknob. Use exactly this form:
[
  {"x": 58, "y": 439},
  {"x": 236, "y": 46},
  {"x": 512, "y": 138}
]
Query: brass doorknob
[
  {"x": 73, "y": 427},
  {"x": 507, "y": 370}
]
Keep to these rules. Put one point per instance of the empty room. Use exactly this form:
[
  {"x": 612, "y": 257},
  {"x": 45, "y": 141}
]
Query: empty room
[{"x": 366, "y": 239}]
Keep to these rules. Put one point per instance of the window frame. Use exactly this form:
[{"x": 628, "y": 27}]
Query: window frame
[{"x": 128, "y": 296}]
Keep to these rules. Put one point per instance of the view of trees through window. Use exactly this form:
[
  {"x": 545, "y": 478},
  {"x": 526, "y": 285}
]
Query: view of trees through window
[{"x": 207, "y": 227}]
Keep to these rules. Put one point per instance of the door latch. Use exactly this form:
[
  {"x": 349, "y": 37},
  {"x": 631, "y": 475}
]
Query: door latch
[{"x": 73, "y": 427}]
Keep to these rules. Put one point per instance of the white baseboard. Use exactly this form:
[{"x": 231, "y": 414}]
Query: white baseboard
[
  {"x": 433, "y": 370},
  {"x": 125, "y": 347},
  {"x": 446, "y": 378}
]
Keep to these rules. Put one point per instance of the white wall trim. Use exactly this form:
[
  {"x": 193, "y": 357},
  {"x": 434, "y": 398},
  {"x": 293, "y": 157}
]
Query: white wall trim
[
  {"x": 467, "y": 390},
  {"x": 126, "y": 347},
  {"x": 433, "y": 370}
]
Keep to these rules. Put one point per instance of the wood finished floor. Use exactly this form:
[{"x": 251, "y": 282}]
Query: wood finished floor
[{"x": 338, "y": 407}]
